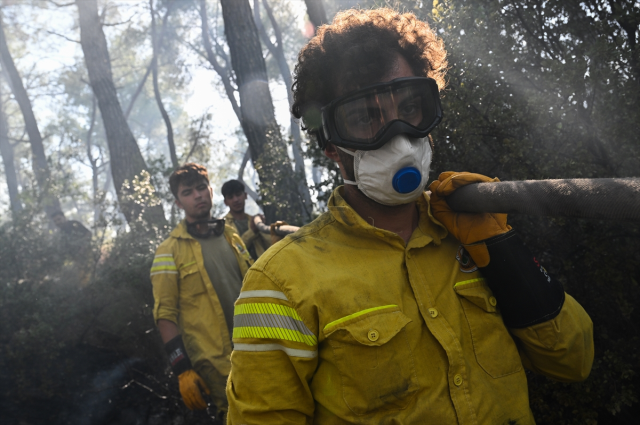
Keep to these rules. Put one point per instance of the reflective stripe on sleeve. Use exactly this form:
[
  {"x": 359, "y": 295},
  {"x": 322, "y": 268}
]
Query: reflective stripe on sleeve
[
  {"x": 163, "y": 264},
  {"x": 263, "y": 294},
  {"x": 163, "y": 272},
  {"x": 270, "y": 321},
  {"x": 291, "y": 352}
]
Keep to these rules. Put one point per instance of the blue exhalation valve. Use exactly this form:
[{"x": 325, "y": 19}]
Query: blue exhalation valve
[{"x": 407, "y": 180}]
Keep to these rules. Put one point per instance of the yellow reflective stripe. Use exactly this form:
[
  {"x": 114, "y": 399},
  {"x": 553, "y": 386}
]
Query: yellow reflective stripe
[
  {"x": 360, "y": 313},
  {"x": 187, "y": 265},
  {"x": 159, "y": 268},
  {"x": 268, "y": 308},
  {"x": 263, "y": 332},
  {"x": 260, "y": 320},
  {"x": 464, "y": 282},
  {"x": 163, "y": 258}
]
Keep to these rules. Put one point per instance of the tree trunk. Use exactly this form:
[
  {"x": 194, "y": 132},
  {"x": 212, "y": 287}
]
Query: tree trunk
[
  {"x": 316, "y": 12},
  {"x": 156, "y": 89},
  {"x": 95, "y": 169},
  {"x": 126, "y": 159},
  {"x": 6, "y": 150},
  {"x": 50, "y": 202},
  {"x": 243, "y": 165},
  {"x": 280, "y": 197},
  {"x": 277, "y": 51}
]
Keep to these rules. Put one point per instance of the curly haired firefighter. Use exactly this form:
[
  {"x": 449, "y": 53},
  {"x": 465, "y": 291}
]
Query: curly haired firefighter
[{"x": 391, "y": 308}]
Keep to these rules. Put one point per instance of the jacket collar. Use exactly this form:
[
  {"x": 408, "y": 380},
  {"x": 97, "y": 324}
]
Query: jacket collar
[
  {"x": 344, "y": 214},
  {"x": 180, "y": 231}
]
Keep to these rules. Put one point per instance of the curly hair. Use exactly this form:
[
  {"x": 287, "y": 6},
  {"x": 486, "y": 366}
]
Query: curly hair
[
  {"x": 189, "y": 174},
  {"x": 358, "y": 48}
]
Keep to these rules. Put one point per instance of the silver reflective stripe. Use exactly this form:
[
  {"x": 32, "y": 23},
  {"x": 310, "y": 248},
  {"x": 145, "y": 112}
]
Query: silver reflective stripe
[
  {"x": 163, "y": 272},
  {"x": 291, "y": 352},
  {"x": 263, "y": 294},
  {"x": 270, "y": 321}
]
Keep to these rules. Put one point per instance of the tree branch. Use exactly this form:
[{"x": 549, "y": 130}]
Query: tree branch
[
  {"x": 64, "y": 36},
  {"x": 149, "y": 67},
  {"x": 62, "y": 4},
  {"x": 211, "y": 58},
  {"x": 156, "y": 89}
]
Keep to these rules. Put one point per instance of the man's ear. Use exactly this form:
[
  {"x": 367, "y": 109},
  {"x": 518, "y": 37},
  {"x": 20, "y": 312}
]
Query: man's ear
[
  {"x": 225, "y": 201},
  {"x": 179, "y": 204},
  {"x": 244, "y": 198},
  {"x": 331, "y": 152}
]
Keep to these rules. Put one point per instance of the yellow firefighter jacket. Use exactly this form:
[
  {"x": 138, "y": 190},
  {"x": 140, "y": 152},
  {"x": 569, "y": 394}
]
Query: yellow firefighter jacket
[
  {"x": 184, "y": 295},
  {"x": 342, "y": 323},
  {"x": 259, "y": 241}
]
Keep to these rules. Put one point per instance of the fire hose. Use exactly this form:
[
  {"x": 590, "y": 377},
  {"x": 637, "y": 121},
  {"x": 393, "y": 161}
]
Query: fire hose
[
  {"x": 603, "y": 199},
  {"x": 281, "y": 229}
]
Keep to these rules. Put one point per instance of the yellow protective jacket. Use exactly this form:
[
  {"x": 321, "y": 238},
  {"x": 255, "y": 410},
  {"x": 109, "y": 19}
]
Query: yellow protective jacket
[
  {"x": 342, "y": 323},
  {"x": 185, "y": 296},
  {"x": 259, "y": 241}
]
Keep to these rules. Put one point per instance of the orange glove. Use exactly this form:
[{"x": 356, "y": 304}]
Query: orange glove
[
  {"x": 191, "y": 385},
  {"x": 469, "y": 228}
]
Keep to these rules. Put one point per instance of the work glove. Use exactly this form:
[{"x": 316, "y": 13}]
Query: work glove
[
  {"x": 191, "y": 385},
  {"x": 472, "y": 229}
]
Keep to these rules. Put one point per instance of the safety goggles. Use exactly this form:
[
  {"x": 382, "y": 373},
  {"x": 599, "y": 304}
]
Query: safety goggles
[
  {"x": 206, "y": 228},
  {"x": 370, "y": 117}
]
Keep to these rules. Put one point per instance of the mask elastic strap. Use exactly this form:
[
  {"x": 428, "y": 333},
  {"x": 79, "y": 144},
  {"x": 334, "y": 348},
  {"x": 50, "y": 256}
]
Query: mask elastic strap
[
  {"x": 353, "y": 155},
  {"x": 346, "y": 151}
]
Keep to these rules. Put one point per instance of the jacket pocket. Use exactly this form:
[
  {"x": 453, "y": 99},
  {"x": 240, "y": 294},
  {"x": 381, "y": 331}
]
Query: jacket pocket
[
  {"x": 493, "y": 346},
  {"x": 374, "y": 358},
  {"x": 191, "y": 283}
]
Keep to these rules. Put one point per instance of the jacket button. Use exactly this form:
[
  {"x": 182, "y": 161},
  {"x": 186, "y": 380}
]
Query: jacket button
[
  {"x": 457, "y": 380},
  {"x": 493, "y": 301},
  {"x": 373, "y": 335},
  {"x": 433, "y": 312}
]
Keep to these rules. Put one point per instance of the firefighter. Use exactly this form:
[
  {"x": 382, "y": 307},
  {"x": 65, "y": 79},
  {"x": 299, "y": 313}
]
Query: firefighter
[
  {"x": 391, "y": 308},
  {"x": 197, "y": 275},
  {"x": 235, "y": 198}
]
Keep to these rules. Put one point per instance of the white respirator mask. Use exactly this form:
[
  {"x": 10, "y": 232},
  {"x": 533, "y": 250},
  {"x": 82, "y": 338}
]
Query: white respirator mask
[{"x": 395, "y": 174}]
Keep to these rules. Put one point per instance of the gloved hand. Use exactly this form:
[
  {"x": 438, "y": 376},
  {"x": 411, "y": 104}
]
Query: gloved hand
[
  {"x": 469, "y": 228},
  {"x": 190, "y": 386}
]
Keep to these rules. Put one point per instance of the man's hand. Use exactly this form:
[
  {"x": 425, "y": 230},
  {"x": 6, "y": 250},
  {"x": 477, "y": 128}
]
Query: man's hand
[
  {"x": 191, "y": 385},
  {"x": 469, "y": 228},
  {"x": 259, "y": 218}
]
